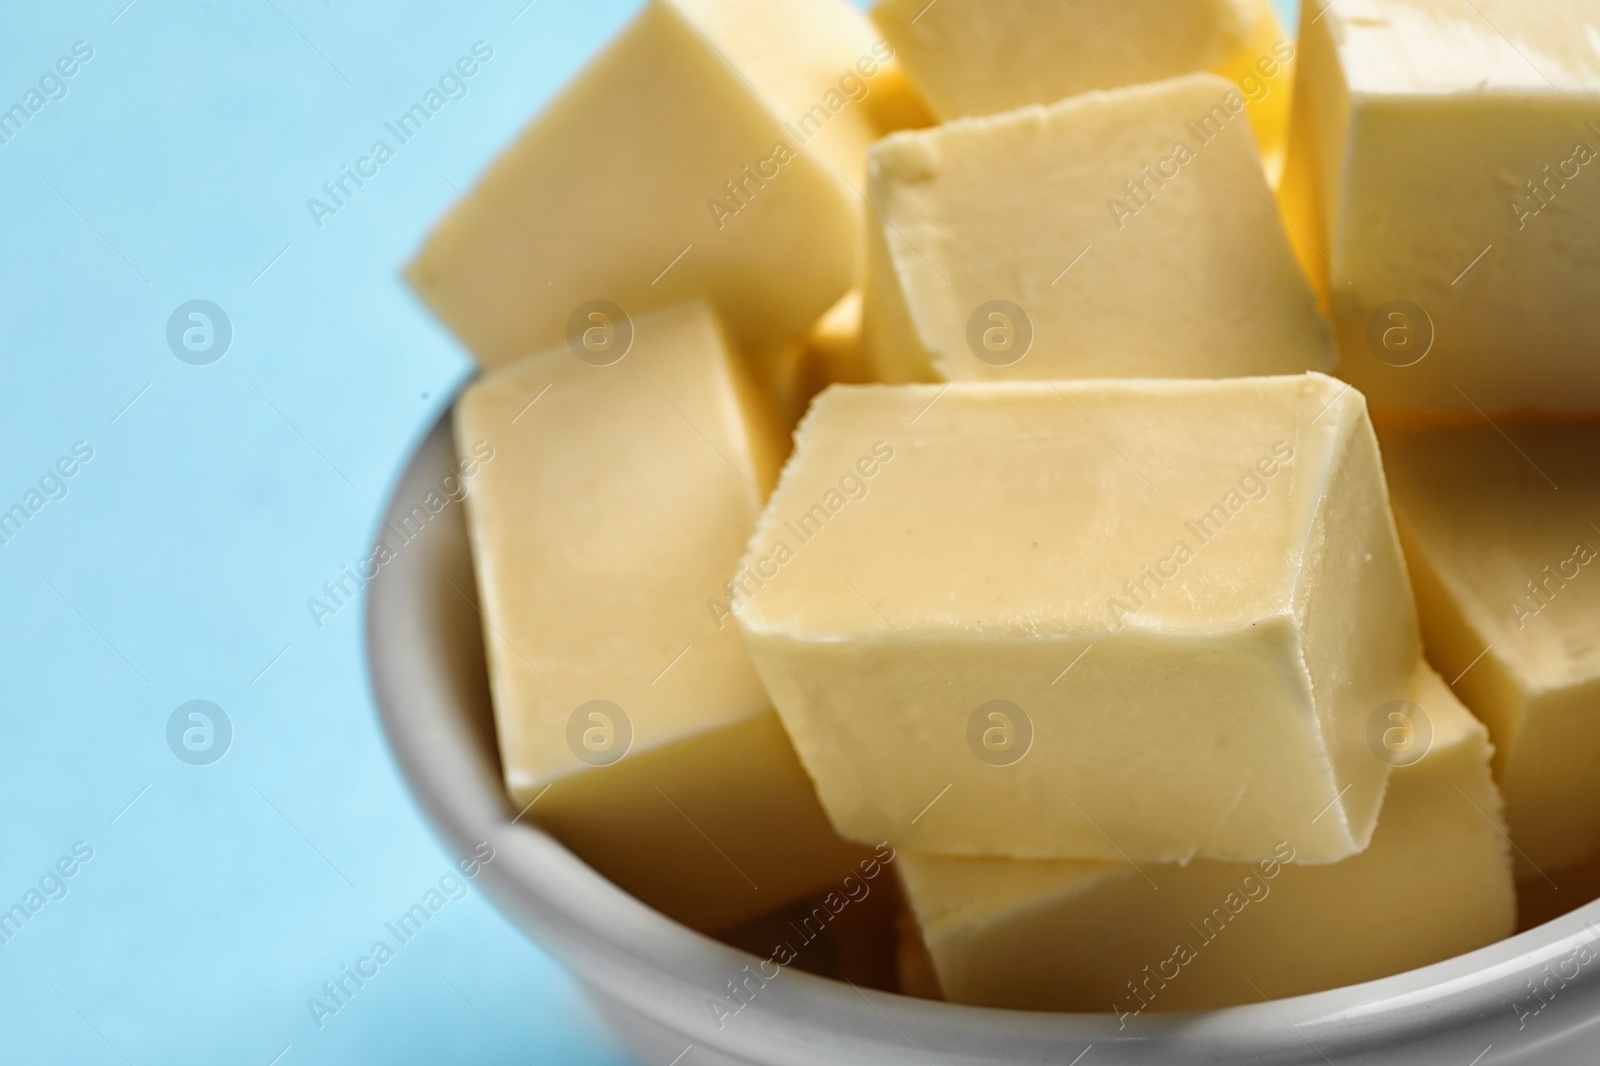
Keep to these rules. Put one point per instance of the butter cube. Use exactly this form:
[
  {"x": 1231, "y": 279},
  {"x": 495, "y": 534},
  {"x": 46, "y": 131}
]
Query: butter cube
[
  {"x": 616, "y": 502},
  {"x": 1443, "y": 154},
  {"x": 1508, "y": 588},
  {"x": 1130, "y": 233},
  {"x": 1435, "y": 882},
  {"x": 1087, "y": 619},
  {"x": 977, "y": 57},
  {"x": 715, "y": 148}
]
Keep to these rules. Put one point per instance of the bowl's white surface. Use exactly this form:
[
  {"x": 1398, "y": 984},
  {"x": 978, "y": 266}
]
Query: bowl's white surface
[{"x": 655, "y": 980}]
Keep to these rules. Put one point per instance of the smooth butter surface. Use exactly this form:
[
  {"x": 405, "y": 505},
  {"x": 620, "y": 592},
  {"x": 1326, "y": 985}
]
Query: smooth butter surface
[
  {"x": 599, "y": 533},
  {"x": 977, "y": 57},
  {"x": 1433, "y": 46},
  {"x": 615, "y": 506},
  {"x": 1188, "y": 592},
  {"x": 712, "y": 830},
  {"x": 1435, "y": 882},
  {"x": 779, "y": 99},
  {"x": 1442, "y": 181},
  {"x": 1122, "y": 234},
  {"x": 1501, "y": 539}
]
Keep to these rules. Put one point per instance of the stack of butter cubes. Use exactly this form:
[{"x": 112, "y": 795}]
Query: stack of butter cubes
[{"x": 1115, "y": 480}]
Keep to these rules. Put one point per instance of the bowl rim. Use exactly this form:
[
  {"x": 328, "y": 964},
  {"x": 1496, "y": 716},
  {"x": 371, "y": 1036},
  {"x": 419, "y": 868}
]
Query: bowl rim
[{"x": 650, "y": 964}]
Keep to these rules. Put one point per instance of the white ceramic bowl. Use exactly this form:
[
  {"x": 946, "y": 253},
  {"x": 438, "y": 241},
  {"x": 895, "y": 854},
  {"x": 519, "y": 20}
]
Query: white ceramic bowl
[{"x": 655, "y": 980}]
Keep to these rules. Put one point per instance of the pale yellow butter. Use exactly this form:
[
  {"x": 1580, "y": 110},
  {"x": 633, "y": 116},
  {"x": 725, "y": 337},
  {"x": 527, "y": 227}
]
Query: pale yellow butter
[
  {"x": 715, "y": 148},
  {"x": 1129, "y": 233},
  {"x": 1500, "y": 534},
  {"x": 828, "y": 354},
  {"x": 977, "y": 57},
  {"x": 615, "y": 506},
  {"x": 1435, "y": 882},
  {"x": 1444, "y": 181},
  {"x": 1186, "y": 595}
]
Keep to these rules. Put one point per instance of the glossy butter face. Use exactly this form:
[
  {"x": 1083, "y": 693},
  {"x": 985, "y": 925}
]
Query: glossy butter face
[{"x": 1099, "y": 558}]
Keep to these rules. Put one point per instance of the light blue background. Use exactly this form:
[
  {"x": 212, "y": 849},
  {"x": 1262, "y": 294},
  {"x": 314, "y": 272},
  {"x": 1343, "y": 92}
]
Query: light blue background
[{"x": 218, "y": 500}]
